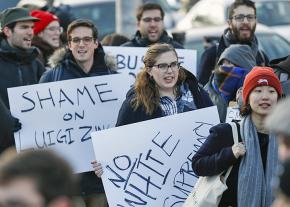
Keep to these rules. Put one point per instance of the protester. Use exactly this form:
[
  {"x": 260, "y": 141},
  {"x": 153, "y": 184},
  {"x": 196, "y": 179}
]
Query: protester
[
  {"x": 83, "y": 57},
  {"x": 150, "y": 27},
  {"x": 255, "y": 157},
  {"x": 279, "y": 122},
  {"x": 162, "y": 88},
  {"x": 36, "y": 178},
  {"x": 18, "y": 59},
  {"x": 47, "y": 33},
  {"x": 233, "y": 65},
  {"x": 241, "y": 30},
  {"x": 283, "y": 187},
  {"x": 114, "y": 39}
]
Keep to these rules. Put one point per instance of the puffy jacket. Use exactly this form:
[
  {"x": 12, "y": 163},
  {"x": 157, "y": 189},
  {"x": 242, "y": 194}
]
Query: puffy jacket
[{"x": 139, "y": 41}]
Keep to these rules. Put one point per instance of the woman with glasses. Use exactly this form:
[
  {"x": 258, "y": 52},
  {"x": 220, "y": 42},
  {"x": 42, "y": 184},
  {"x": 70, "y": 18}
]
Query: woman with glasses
[
  {"x": 162, "y": 88},
  {"x": 47, "y": 33}
]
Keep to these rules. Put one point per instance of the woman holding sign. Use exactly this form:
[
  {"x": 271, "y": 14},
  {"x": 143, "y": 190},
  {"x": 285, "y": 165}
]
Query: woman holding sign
[
  {"x": 162, "y": 88},
  {"x": 255, "y": 157}
]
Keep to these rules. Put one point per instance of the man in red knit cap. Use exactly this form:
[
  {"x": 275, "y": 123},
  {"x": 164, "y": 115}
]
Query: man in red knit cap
[{"x": 46, "y": 34}]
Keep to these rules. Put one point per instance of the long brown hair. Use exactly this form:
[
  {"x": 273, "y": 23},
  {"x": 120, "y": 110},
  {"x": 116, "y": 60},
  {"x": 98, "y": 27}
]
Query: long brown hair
[{"x": 147, "y": 93}]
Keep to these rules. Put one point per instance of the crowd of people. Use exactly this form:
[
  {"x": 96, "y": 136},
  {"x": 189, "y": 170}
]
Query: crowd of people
[{"x": 33, "y": 50}]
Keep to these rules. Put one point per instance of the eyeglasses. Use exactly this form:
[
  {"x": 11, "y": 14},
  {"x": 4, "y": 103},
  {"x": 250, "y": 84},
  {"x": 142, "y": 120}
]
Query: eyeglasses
[
  {"x": 55, "y": 29},
  {"x": 150, "y": 19},
  {"x": 241, "y": 17},
  {"x": 164, "y": 66},
  {"x": 77, "y": 40}
]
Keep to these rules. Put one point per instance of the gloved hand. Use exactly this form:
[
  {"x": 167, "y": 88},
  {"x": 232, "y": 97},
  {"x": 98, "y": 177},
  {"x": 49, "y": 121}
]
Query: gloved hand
[{"x": 17, "y": 125}]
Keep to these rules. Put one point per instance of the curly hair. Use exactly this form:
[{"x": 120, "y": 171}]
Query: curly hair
[{"x": 147, "y": 93}]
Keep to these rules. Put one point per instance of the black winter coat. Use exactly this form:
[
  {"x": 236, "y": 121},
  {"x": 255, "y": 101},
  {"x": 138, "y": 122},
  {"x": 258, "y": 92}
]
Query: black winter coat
[
  {"x": 127, "y": 115},
  {"x": 138, "y": 41},
  {"x": 18, "y": 67},
  {"x": 66, "y": 68}
]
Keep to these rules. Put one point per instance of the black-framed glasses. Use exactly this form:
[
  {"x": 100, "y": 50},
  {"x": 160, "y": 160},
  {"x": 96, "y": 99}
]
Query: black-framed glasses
[
  {"x": 77, "y": 40},
  {"x": 150, "y": 19},
  {"x": 54, "y": 29},
  {"x": 241, "y": 17},
  {"x": 164, "y": 66}
]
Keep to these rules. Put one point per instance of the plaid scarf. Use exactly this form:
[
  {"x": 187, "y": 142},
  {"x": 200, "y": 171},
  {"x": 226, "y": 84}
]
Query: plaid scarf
[{"x": 227, "y": 80}]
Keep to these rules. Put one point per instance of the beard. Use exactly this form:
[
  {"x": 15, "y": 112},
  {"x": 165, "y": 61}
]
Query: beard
[{"x": 243, "y": 40}]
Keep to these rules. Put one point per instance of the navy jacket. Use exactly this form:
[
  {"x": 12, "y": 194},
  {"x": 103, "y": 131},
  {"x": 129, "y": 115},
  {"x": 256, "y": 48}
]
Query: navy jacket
[
  {"x": 138, "y": 41},
  {"x": 127, "y": 115}
]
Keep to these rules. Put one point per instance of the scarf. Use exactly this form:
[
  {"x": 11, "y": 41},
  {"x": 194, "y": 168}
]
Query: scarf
[
  {"x": 227, "y": 80},
  {"x": 254, "y": 185}
]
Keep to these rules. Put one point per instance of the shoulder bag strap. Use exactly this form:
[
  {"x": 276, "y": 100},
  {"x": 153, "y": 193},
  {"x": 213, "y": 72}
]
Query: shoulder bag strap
[{"x": 236, "y": 140}]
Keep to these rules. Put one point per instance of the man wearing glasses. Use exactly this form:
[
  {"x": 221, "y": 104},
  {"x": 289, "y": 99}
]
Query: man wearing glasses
[
  {"x": 241, "y": 30},
  {"x": 150, "y": 28},
  {"x": 83, "y": 57},
  {"x": 46, "y": 34}
]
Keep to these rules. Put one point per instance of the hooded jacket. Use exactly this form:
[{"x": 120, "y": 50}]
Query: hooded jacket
[
  {"x": 139, "y": 41},
  {"x": 211, "y": 55},
  {"x": 18, "y": 67},
  {"x": 127, "y": 115}
]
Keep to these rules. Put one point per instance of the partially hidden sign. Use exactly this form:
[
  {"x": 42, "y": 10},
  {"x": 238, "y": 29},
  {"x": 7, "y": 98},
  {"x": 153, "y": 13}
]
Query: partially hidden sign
[{"x": 61, "y": 115}]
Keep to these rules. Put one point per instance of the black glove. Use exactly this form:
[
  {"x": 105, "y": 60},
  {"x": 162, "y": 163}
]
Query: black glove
[{"x": 17, "y": 125}]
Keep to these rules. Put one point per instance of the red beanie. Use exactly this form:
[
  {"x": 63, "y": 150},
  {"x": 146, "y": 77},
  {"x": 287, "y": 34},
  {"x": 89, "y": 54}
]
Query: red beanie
[
  {"x": 260, "y": 76},
  {"x": 45, "y": 19}
]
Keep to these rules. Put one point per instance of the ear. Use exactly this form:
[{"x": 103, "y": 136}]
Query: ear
[
  {"x": 149, "y": 71},
  {"x": 60, "y": 202},
  {"x": 229, "y": 23},
  {"x": 7, "y": 31},
  {"x": 40, "y": 34},
  {"x": 96, "y": 43}
]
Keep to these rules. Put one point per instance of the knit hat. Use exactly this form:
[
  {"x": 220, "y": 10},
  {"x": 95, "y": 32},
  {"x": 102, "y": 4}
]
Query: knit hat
[
  {"x": 240, "y": 55},
  {"x": 15, "y": 14},
  {"x": 45, "y": 19},
  {"x": 278, "y": 120},
  {"x": 260, "y": 76}
]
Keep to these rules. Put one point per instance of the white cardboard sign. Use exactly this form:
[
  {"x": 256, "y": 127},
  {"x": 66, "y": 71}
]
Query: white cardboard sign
[
  {"x": 149, "y": 163},
  {"x": 61, "y": 115}
]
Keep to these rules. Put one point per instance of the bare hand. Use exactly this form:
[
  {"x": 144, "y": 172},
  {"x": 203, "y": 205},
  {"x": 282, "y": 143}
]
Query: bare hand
[
  {"x": 239, "y": 149},
  {"x": 97, "y": 168}
]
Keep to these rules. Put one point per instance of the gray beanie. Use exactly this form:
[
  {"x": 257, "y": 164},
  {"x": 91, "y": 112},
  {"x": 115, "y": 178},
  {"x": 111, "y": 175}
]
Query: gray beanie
[
  {"x": 279, "y": 119},
  {"x": 240, "y": 55}
]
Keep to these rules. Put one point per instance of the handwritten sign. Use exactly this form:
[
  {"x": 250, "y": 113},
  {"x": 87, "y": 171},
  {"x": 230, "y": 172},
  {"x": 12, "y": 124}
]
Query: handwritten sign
[
  {"x": 149, "y": 163},
  {"x": 233, "y": 112},
  {"x": 61, "y": 115},
  {"x": 130, "y": 59}
]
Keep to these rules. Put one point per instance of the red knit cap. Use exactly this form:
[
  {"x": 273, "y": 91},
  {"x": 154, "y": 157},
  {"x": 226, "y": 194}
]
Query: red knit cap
[
  {"x": 260, "y": 76},
  {"x": 45, "y": 19}
]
